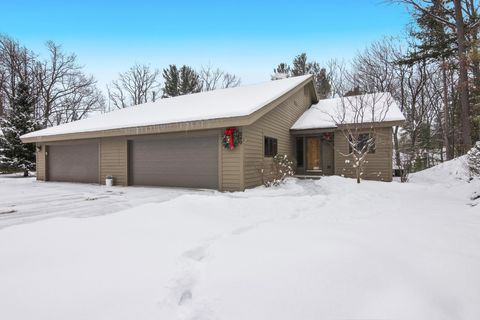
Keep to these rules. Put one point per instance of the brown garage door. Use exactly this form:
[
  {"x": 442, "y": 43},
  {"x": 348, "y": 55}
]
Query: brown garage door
[
  {"x": 73, "y": 163},
  {"x": 174, "y": 162}
]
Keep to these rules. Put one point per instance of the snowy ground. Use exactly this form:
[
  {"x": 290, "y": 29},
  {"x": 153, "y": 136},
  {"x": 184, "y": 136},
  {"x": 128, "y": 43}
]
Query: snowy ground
[
  {"x": 28, "y": 200},
  {"x": 327, "y": 249}
]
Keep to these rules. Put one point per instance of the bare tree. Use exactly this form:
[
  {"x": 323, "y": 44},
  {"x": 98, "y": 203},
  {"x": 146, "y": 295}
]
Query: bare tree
[
  {"x": 60, "y": 78},
  {"x": 357, "y": 118},
  {"x": 16, "y": 63},
  {"x": 214, "y": 78},
  {"x": 339, "y": 77},
  {"x": 80, "y": 104},
  {"x": 453, "y": 19},
  {"x": 137, "y": 85}
]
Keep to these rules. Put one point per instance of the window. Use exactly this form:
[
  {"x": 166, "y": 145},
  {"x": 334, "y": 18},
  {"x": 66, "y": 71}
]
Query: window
[
  {"x": 362, "y": 141},
  {"x": 270, "y": 147},
  {"x": 299, "y": 152}
]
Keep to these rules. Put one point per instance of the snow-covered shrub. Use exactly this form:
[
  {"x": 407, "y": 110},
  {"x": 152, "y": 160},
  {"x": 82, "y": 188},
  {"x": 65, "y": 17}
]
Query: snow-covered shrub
[
  {"x": 473, "y": 160},
  {"x": 280, "y": 169}
]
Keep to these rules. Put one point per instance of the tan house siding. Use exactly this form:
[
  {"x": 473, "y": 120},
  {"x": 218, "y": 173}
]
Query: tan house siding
[
  {"x": 114, "y": 160},
  {"x": 232, "y": 168},
  {"x": 41, "y": 162},
  {"x": 379, "y": 164},
  {"x": 275, "y": 124}
]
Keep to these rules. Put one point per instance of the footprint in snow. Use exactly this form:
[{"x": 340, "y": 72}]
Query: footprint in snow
[
  {"x": 185, "y": 297},
  {"x": 241, "y": 230},
  {"x": 197, "y": 254}
]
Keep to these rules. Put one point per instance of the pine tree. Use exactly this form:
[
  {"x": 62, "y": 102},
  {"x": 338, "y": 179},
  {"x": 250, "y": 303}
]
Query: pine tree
[
  {"x": 322, "y": 84},
  {"x": 473, "y": 160},
  {"x": 171, "y": 78},
  {"x": 180, "y": 81},
  {"x": 282, "y": 71},
  {"x": 189, "y": 81},
  {"x": 19, "y": 120},
  {"x": 300, "y": 66}
]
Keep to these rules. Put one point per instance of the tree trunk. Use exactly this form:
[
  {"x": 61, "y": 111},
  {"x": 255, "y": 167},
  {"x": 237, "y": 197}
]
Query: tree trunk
[
  {"x": 398, "y": 160},
  {"x": 463, "y": 77},
  {"x": 475, "y": 45},
  {"x": 25, "y": 173},
  {"x": 446, "y": 113}
]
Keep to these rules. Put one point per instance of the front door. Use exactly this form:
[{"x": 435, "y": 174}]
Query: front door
[{"x": 314, "y": 164}]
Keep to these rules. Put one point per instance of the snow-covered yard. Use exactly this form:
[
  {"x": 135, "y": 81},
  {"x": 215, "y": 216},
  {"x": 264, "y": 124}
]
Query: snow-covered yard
[{"x": 326, "y": 249}]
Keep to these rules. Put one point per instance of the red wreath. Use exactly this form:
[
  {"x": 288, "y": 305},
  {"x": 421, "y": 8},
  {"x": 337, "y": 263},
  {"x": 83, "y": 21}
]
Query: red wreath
[{"x": 229, "y": 132}]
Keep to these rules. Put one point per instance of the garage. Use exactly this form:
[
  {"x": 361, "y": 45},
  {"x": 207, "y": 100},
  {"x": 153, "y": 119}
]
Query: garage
[
  {"x": 185, "y": 161},
  {"x": 75, "y": 162}
]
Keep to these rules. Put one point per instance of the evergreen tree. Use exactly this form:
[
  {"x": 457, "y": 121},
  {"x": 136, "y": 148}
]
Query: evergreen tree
[
  {"x": 473, "y": 160},
  {"x": 171, "y": 78},
  {"x": 282, "y": 71},
  {"x": 19, "y": 120},
  {"x": 189, "y": 81},
  {"x": 300, "y": 66},
  {"x": 283, "y": 68},
  {"x": 322, "y": 83},
  {"x": 180, "y": 81},
  {"x": 435, "y": 41}
]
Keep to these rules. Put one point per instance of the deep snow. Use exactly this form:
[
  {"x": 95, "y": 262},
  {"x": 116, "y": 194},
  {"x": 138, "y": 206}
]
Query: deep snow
[
  {"x": 364, "y": 108},
  {"x": 216, "y": 104},
  {"x": 326, "y": 249}
]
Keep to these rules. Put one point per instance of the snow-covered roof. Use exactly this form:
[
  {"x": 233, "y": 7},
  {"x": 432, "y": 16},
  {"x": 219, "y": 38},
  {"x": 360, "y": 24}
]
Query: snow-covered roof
[
  {"x": 217, "y": 104},
  {"x": 365, "y": 108}
]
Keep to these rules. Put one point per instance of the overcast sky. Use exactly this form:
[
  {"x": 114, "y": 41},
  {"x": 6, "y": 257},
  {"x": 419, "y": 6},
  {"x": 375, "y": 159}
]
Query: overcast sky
[{"x": 248, "y": 38}]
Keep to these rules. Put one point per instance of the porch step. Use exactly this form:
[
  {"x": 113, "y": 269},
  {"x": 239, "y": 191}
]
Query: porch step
[{"x": 308, "y": 176}]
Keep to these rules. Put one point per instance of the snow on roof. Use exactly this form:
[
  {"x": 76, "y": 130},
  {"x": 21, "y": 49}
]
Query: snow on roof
[
  {"x": 221, "y": 103},
  {"x": 365, "y": 108}
]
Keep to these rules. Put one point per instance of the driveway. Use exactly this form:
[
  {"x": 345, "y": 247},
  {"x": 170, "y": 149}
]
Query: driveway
[{"x": 24, "y": 200}]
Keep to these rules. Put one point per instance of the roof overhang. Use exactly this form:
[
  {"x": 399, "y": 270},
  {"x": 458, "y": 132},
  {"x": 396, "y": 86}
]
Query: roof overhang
[
  {"x": 364, "y": 125},
  {"x": 239, "y": 121}
]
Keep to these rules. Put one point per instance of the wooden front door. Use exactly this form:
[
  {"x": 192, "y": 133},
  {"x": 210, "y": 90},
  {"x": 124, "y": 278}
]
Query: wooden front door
[{"x": 313, "y": 154}]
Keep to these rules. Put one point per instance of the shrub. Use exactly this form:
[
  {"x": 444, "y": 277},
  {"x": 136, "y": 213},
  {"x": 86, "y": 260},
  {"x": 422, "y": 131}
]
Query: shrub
[
  {"x": 473, "y": 160},
  {"x": 280, "y": 169}
]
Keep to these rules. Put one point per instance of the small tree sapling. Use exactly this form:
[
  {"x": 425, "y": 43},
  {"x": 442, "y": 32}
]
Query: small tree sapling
[{"x": 357, "y": 118}]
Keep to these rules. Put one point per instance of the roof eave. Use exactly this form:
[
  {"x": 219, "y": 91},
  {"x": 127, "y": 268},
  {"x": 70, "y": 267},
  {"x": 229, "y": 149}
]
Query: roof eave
[{"x": 392, "y": 123}]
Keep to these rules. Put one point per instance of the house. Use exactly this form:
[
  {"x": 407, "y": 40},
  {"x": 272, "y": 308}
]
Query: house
[{"x": 218, "y": 139}]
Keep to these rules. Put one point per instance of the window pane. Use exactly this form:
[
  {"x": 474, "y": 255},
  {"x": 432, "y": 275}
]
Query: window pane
[
  {"x": 270, "y": 147},
  {"x": 362, "y": 141},
  {"x": 265, "y": 147},
  {"x": 300, "y": 152}
]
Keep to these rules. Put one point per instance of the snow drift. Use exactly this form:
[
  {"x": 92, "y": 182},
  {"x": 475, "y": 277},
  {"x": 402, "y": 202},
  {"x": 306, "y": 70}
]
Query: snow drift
[{"x": 327, "y": 249}]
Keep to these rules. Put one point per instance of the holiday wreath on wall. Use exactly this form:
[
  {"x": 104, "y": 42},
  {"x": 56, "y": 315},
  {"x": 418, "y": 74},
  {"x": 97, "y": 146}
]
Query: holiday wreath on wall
[
  {"x": 232, "y": 137},
  {"x": 327, "y": 137}
]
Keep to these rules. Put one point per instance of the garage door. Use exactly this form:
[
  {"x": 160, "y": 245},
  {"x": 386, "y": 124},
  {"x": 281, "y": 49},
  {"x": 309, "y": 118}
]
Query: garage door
[
  {"x": 73, "y": 163},
  {"x": 174, "y": 162}
]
